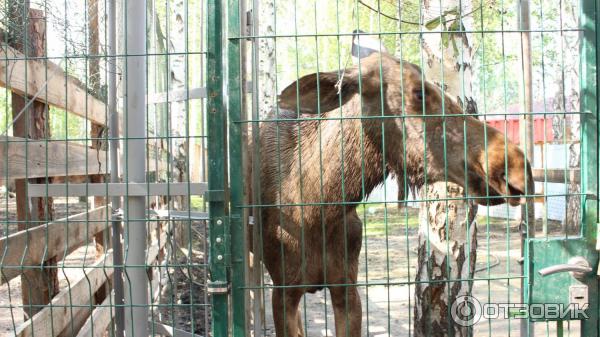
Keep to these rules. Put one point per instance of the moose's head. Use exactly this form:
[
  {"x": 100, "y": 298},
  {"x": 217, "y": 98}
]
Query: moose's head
[{"x": 428, "y": 136}]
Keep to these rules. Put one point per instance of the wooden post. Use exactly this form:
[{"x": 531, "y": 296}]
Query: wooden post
[
  {"x": 38, "y": 285},
  {"x": 94, "y": 85},
  {"x": 97, "y": 131}
]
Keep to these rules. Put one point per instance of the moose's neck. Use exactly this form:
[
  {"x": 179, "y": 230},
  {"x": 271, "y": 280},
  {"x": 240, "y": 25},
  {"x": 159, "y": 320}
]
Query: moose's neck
[
  {"x": 333, "y": 161},
  {"x": 351, "y": 162}
]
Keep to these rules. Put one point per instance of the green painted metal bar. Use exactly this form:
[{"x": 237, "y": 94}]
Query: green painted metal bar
[
  {"x": 217, "y": 179},
  {"x": 238, "y": 215},
  {"x": 589, "y": 140}
]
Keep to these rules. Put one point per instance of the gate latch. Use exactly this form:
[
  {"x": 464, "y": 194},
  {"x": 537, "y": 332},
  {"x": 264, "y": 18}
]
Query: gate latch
[{"x": 578, "y": 294}]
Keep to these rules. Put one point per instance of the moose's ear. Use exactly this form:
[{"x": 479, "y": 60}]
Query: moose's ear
[{"x": 322, "y": 93}]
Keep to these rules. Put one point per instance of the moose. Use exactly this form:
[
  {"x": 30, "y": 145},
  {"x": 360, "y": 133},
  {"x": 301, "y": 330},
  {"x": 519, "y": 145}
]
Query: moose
[{"x": 376, "y": 119}]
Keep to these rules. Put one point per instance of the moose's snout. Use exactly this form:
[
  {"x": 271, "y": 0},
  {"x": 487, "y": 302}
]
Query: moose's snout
[{"x": 507, "y": 172}]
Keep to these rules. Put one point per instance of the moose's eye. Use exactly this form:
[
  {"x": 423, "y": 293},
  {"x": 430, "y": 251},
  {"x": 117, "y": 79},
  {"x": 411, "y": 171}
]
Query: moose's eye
[{"x": 418, "y": 94}]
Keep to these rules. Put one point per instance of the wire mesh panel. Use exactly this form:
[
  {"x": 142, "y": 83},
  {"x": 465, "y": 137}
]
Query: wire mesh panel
[
  {"x": 263, "y": 167},
  {"x": 408, "y": 163},
  {"x": 103, "y": 168}
]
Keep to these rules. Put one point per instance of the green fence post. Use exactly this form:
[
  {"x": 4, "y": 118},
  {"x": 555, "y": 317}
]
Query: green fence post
[
  {"x": 236, "y": 170},
  {"x": 217, "y": 177},
  {"x": 589, "y": 140}
]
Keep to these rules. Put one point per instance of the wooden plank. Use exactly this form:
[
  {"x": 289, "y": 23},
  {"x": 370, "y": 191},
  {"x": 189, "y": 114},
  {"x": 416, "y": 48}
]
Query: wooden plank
[
  {"x": 176, "y": 96},
  {"x": 117, "y": 189},
  {"x": 56, "y": 318},
  {"x": 33, "y": 160},
  {"x": 557, "y": 175},
  {"x": 100, "y": 319},
  {"x": 28, "y": 248},
  {"x": 77, "y": 320},
  {"x": 48, "y": 83},
  {"x": 167, "y": 330},
  {"x": 155, "y": 248}
]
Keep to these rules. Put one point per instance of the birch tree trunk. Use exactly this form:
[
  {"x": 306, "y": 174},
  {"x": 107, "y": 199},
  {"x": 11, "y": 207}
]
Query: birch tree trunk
[
  {"x": 178, "y": 111},
  {"x": 566, "y": 127},
  {"x": 447, "y": 230},
  {"x": 447, "y": 251},
  {"x": 267, "y": 71}
]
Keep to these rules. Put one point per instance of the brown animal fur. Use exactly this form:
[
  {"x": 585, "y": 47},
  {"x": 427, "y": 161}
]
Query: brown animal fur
[{"x": 330, "y": 165}]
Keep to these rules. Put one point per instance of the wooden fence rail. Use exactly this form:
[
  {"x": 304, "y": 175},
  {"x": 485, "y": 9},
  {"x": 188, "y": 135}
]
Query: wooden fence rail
[
  {"x": 49, "y": 83},
  {"x": 55, "y": 318},
  {"x": 31, "y": 247},
  {"x": 47, "y": 158}
]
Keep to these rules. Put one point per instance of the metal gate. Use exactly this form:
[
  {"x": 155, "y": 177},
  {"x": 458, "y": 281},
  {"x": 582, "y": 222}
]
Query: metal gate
[{"x": 524, "y": 261}]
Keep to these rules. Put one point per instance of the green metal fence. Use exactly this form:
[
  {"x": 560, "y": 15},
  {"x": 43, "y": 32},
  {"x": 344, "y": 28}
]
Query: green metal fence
[
  {"x": 263, "y": 167},
  {"x": 104, "y": 213},
  {"x": 517, "y": 65}
]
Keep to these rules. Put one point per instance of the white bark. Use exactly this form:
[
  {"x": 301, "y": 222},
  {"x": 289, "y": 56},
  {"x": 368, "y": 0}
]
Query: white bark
[
  {"x": 447, "y": 251},
  {"x": 267, "y": 72},
  {"x": 566, "y": 127},
  {"x": 450, "y": 64},
  {"x": 178, "y": 82}
]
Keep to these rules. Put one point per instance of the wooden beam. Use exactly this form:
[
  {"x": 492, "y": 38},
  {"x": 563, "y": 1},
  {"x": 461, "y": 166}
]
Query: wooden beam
[
  {"x": 29, "y": 248},
  {"x": 32, "y": 159},
  {"x": 155, "y": 248},
  {"x": 556, "y": 175},
  {"x": 169, "y": 331},
  {"x": 49, "y": 83},
  {"x": 117, "y": 189},
  {"x": 55, "y": 318},
  {"x": 100, "y": 319},
  {"x": 176, "y": 96}
]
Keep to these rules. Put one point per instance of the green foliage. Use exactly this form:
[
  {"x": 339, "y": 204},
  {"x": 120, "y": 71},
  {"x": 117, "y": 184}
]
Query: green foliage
[
  {"x": 5, "y": 112},
  {"x": 66, "y": 126}
]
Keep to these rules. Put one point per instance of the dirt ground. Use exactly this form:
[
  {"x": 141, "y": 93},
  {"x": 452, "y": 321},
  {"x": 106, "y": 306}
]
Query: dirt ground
[
  {"x": 183, "y": 300},
  {"x": 388, "y": 310}
]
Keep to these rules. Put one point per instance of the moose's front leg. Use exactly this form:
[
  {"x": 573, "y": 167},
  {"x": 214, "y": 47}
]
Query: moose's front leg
[
  {"x": 342, "y": 274},
  {"x": 347, "y": 311},
  {"x": 286, "y": 313}
]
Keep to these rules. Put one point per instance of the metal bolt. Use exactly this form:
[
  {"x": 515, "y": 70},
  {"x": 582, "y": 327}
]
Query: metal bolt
[
  {"x": 219, "y": 222},
  {"x": 219, "y": 257},
  {"x": 219, "y": 240}
]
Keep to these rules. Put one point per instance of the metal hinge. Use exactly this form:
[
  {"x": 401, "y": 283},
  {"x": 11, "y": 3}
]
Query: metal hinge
[
  {"x": 249, "y": 21},
  {"x": 219, "y": 255},
  {"x": 214, "y": 195},
  {"x": 217, "y": 287}
]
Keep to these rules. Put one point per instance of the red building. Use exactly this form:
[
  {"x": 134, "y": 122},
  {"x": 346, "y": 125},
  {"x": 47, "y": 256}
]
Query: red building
[
  {"x": 510, "y": 126},
  {"x": 542, "y": 124}
]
